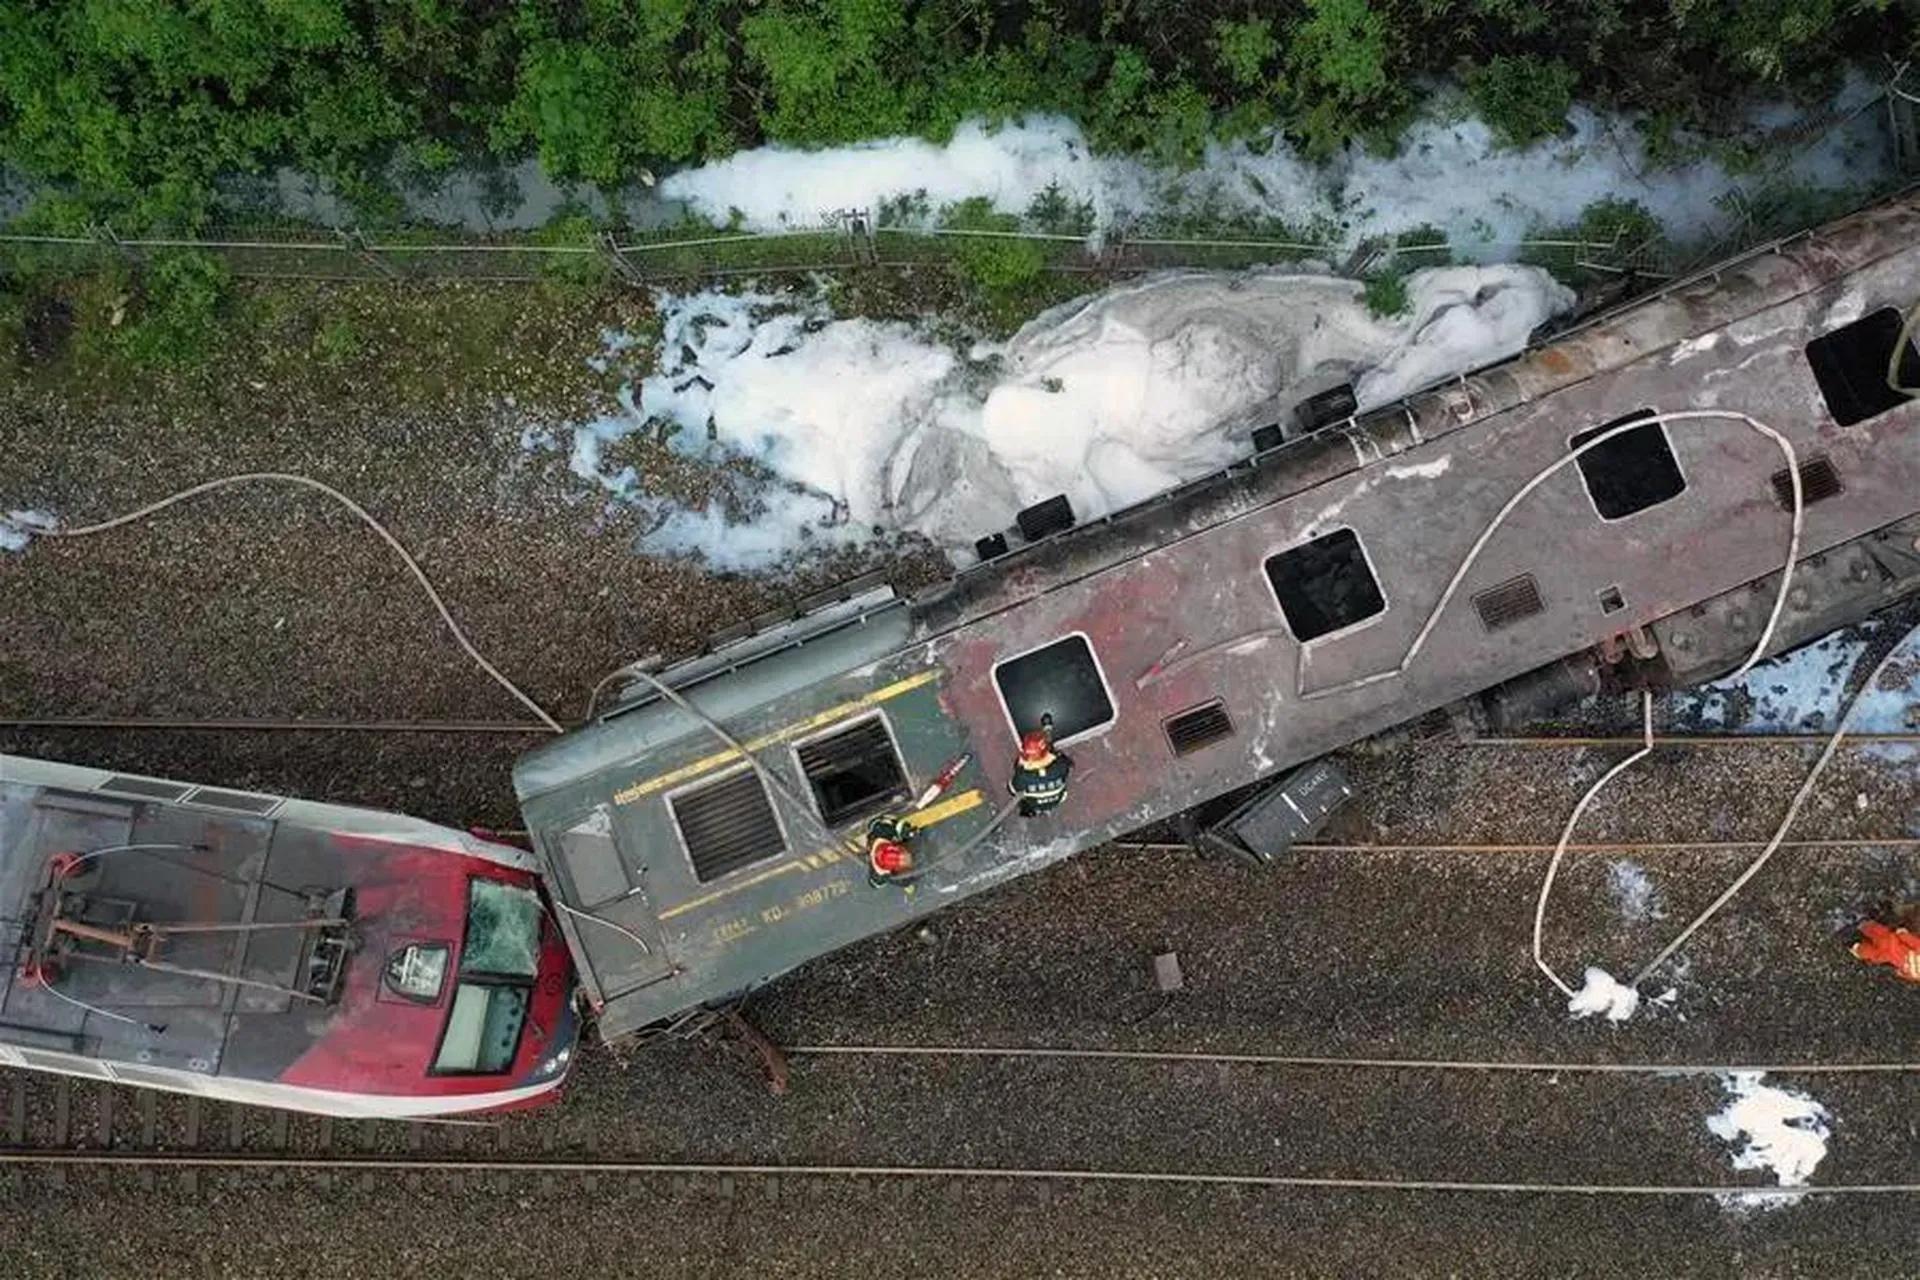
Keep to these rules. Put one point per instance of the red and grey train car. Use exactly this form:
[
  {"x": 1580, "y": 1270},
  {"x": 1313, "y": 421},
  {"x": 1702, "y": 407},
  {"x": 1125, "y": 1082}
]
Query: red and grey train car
[
  {"x": 1258, "y": 618},
  {"x": 271, "y": 951}
]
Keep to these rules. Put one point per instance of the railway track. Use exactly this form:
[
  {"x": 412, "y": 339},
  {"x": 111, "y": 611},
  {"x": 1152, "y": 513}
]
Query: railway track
[{"x": 59, "y": 1129}]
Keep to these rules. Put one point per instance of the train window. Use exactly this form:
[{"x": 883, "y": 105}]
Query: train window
[
  {"x": 1063, "y": 680},
  {"x": 1325, "y": 585},
  {"x": 727, "y": 825},
  {"x": 499, "y": 959},
  {"x": 503, "y": 930},
  {"x": 853, "y": 770},
  {"x": 483, "y": 1030},
  {"x": 1850, "y": 364},
  {"x": 1630, "y": 472}
]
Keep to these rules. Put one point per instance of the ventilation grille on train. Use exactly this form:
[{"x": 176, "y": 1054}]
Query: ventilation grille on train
[
  {"x": 238, "y": 801},
  {"x": 727, "y": 824},
  {"x": 1191, "y": 730},
  {"x": 150, "y": 788},
  {"x": 853, "y": 771},
  {"x": 1819, "y": 480},
  {"x": 1508, "y": 603}
]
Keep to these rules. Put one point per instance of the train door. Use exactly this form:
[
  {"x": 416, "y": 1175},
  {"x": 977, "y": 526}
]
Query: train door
[{"x": 614, "y": 932}]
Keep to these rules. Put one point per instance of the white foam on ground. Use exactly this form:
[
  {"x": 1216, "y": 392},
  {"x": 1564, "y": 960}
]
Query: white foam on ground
[
  {"x": 1781, "y": 1131},
  {"x": 1633, "y": 891},
  {"x": 1447, "y": 173},
  {"x": 18, "y": 527},
  {"x": 1602, "y": 993},
  {"x": 873, "y": 426},
  {"x": 1804, "y": 691}
]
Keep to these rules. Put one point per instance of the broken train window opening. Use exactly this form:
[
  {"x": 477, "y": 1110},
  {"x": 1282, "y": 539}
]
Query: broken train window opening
[
  {"x": 853, "y": 769},
  {"x": 1850, "y": 365},
  {"x": 726, "y": 824},
  {"x": 1062, "y": 678},
  {"x": 1630, "y": 472},
  {"x": 1325, "y": 585}
]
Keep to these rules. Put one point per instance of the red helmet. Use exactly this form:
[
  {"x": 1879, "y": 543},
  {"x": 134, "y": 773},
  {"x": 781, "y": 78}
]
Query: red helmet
[
  {"x": 890, "y": 857},
  {"x": 1036, "y": 745}
]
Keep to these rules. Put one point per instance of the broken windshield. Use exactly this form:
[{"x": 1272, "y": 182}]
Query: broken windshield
[{"x": 503, "y": 930}]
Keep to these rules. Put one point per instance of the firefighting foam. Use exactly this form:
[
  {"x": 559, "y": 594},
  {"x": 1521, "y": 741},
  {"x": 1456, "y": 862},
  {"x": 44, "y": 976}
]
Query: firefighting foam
[{"x": 853, "y": 427}]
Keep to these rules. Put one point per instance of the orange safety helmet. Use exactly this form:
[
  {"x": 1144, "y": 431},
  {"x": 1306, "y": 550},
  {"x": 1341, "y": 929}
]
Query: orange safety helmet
[{"x": 1036, "y": 748}]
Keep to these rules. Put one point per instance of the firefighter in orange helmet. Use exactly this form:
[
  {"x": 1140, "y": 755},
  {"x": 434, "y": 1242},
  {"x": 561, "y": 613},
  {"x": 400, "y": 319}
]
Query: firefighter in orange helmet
[
  {"x": 1896, "y": 947},
  {"x": 1040, "y": 772}
]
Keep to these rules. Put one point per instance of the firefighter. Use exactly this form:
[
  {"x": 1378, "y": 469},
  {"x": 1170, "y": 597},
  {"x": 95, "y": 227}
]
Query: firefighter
[
  {"x": 1039, "y": 779},
  {"x": 1896, "y": 947},
  {"x": 889, "y": 850}
]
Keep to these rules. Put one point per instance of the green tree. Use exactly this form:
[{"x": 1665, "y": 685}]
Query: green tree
[
  {"x": 1244, "y": 49},
  {"x": 1337, "y": 56},
  {"x": 827, "y": 68}
]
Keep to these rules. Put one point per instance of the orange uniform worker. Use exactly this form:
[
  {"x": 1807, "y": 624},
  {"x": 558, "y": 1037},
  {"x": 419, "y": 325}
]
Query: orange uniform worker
[
  {"x": 1898, "y": 949},
  {"x": 1039, "y": 779}
]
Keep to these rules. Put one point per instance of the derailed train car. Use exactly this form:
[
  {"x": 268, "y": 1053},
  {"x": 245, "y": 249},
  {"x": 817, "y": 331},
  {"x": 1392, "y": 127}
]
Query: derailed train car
[{"x": 1532, "y": 530}]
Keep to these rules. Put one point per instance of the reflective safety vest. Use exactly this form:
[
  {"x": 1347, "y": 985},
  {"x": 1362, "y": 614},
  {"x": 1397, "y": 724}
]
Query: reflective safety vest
[{"x": 1040, "y": 787}]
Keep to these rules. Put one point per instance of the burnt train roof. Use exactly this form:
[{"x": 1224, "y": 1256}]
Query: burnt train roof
[
  {"x": 1404, "y": 490},
  {"x": 204, "y": 855}
]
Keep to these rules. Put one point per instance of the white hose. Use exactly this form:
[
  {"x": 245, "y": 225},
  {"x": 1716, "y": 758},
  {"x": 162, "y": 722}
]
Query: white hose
[
  {"x": 1566, "y": 834},
  {"x": 1901, "y": 346},
  {"x": 1786, "y": 823},
  {"x": 1541, "y": 477},
  {"x": 305, "y": 482},
  {"x": 1646, "y": 721}
]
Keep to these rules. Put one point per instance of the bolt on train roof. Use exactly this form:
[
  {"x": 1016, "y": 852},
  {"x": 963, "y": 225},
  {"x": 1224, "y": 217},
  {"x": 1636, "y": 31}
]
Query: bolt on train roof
[
  {"x": 218, "y": 929},
  {"x": 1180, "y": 645}
]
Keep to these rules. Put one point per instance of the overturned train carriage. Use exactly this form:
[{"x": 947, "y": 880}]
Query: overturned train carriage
[{"x": 1302, "y": 599}]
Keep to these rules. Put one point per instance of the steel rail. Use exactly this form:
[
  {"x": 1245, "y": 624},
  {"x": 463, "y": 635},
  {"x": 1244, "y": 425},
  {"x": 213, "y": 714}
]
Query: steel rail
[
  {"x": 644, "y": 1168},
  {"x": 1551, "y": 740},
  {"x": 1363, "y": 1064},
  {"x": 1597, "y": 846},
  {"x": 510, "y": 727}
]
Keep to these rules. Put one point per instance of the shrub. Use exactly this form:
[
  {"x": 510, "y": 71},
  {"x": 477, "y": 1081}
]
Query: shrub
[
  {"x": 998, "y": 265},
  {"x": 1522, "y": 99},
  {"x": 178, "y": 312},
  {"x": 1386, "y": 293}
]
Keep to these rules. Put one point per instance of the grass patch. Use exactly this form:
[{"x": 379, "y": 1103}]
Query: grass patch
[{"x": 1386, "y": 294}]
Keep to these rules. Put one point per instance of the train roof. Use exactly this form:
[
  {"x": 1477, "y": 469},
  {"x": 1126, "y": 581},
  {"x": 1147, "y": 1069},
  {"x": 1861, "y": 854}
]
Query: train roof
[
  {"x": 1227, "y": 630},
  {"x": 153, "y": 851}
]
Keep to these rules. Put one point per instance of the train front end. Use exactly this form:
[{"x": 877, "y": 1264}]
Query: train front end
[{"x": 461, "y": 999}]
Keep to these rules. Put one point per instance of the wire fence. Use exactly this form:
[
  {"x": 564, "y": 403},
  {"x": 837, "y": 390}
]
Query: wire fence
[{"x": 851, "y": 240}]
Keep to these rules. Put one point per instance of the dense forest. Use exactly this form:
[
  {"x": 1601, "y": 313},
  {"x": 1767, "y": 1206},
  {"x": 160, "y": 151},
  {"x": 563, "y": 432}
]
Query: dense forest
[{"x": 133, "y": 107}]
